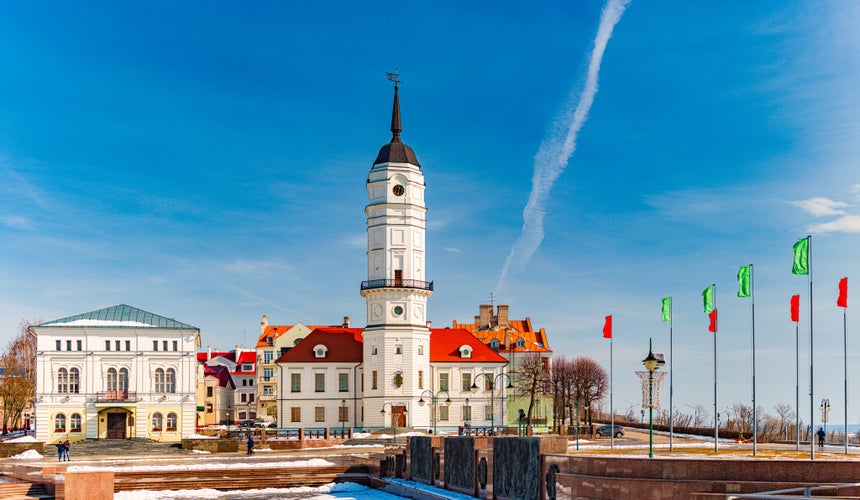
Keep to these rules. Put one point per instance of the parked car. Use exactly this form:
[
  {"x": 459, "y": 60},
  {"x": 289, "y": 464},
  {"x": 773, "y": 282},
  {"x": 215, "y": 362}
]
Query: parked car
[
  {"x": 265, "y": 423},
  {"x": 609, "y": 430}
]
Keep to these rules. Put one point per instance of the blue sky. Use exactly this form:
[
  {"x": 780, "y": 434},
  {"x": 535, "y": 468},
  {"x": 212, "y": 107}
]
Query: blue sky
[{"x": 207, "y": 161}]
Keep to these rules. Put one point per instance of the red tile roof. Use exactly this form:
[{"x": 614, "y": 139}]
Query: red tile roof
[
  {"x": 203, "y": 356},
  {"x": 276, "y": 331},
  {"x": 344, "y": 345},
  {"x": 244, "y": 358},
  {"x": 221, "y": 373},
  {"x": 535, "y": 341},
  {"x": 445, "y": 346}
]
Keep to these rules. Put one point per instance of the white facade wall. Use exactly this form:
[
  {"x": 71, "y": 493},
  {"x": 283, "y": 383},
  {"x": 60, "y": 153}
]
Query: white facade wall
[{"x": 308, "y": 399}]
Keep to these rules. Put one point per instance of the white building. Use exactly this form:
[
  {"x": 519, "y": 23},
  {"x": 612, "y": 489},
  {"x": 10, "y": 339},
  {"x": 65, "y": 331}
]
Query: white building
[
  {"x": 115, "y": 373},
  {"x": 407, "y": 376}
]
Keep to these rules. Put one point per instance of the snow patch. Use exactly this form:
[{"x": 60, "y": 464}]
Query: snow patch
[
  {"x": 104, "y": 322},
  {"x": 22, "y": 439},
  {"x": 28, "y": 455},
  {"x": 314, "y": 462}
]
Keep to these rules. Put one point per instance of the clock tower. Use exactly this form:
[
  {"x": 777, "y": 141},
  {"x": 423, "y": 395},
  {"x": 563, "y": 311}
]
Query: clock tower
[{"x": 396, "y": 344}]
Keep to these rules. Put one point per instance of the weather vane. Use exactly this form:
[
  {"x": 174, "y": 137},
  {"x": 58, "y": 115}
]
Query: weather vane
[{"x": 394, "y": 77}]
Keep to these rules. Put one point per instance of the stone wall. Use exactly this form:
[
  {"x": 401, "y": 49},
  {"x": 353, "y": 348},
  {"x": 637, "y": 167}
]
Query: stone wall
[
  {"x": 211, "y": 445},
  {"x": 12, "y": 449}
]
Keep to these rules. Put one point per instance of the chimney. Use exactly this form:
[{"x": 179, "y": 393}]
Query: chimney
[
  {"x": 477, "y": 320},
  {"x": 208, "y": 352},
  {"x": 503, "y": 316},
  {"x": 264, "y": 324},
  {"x": 486, "y": 316},
  {"x": 345, "y": 322}
]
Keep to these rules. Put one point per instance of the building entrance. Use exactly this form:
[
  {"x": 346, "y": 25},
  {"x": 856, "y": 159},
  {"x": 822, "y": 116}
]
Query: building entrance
[{"x": 116, "y": 426}]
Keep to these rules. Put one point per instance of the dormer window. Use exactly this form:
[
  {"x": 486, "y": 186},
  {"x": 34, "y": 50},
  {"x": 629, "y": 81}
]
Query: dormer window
[
  {"x": 495, "y": 344},
  {"x": 521, "y": 343},
  {"x": 465, "y": 351},
  {"x": 320, "y": 351}
]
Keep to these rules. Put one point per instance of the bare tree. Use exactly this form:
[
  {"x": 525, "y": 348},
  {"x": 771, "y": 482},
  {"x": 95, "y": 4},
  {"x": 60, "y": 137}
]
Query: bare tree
[
  {"x": 530, "y": 376},
  {"x": 19, "y": 375},
  {"x": 561, "y": 387},
  {"x": 589, "y": 382},
  {"x": 786, "y": 414}
]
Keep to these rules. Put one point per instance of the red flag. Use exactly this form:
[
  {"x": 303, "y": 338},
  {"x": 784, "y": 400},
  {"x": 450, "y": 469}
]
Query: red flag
[
  {"x": 842, "y": 301},
  {"x": 795, "y": 308},
  {"x": 607, "y": 328},
  {"x": 713, "y": 317}
]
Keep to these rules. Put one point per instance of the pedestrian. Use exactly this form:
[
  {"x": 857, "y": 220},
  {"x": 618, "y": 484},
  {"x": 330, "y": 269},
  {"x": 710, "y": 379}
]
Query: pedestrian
[
  {"x": 250, "y": 444},
  {"x": 821, "y": 435},
  {"x": 66, "y": 446},
  {"x": 61, "y": 448}
]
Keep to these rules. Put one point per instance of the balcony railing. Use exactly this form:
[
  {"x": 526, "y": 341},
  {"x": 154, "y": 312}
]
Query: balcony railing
[
  {"x": 115, "y": 396},
  {"x": 397, "y": 283}
]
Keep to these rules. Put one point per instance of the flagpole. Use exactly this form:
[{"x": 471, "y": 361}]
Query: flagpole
[
  {"x": 752, "y": 306},
  {"x": 671, "y": 360},
  {"x": 716, "y": 414},
  {"x": 611, "y": 406},
  {"x": 811, "y": 357},
  {"x": 845, "y": 360},
  {"x": 797, "y": 384}
]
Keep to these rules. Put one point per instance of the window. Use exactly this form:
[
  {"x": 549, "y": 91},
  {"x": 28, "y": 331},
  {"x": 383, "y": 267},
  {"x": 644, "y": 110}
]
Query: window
[
  {"x": 111, "y": 379},
  {"x": 107, "y": 345},
  {"x": 320, "y": 350},
  {"x": 60, "y": 345},
  {"x": 75, "y": 423},
  {"x": 296, "y": 414},
  {"x": 156, "y": 421},
  {"x": 521, "y": 343},
  {"x": 80, "y": 345},
  {"x": 68, "y": 345},
  {"x": 267, "y": 357},
  {"x": 247, "y": 367},
  {"x": 319, "y": 414},
  {"x": 295, "y": 382},
  {"x": 466, "y": 382},
  {"x": 443, "y": 381},
  {"x": 250, "y": 382},
  {"x": 488, "y": 383},
  {"x": 373, "y": 380},
  {"x": 343, "y": 414},
  {"x": 117, "y": 344},
  {"x": 164, "y": 344},
  {"x": 398, "y": 350},
  {"x": 268, "y": 373},
  {"x": 244, "y": 398},
  {"x": 171, "y": 421},
  {"x": 488, "y": 412},
  {"x": 159, "y": 380},
  {"x": 420, "y": 379},
  {"x": 208, "y": 407},
  {"x": 443, "y": 412},
  {"x": 244, "y": 383},
  {"x": 467, "y": 413},
  {"x": 494, "y": 344},
  {"x": 171, "y": 381},
  {"x": 251, "y": 398},
  {"x": 209, "y": 392},
  {"x": 421, "y": 350},
  {"x": 319, "y": 382},
  {"x": 128, "y": 345},
  {"x": 372, "y": 351},
  {"x": 60, "y": 422},
  {"x": 268, "y": 390},
  {"x": 175, "y": 345},
  {"x": 123, "y": 379},
  {"x": 154, "y": 345},
  {"x": 398, "y": 380},
  {"x": 343, "y": 382},
  {"x": 62, "y": 383},
  {"x": 74, "y": 381}
]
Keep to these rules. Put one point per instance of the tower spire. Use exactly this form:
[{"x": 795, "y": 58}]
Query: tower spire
[{"x": 396, "y": 127}]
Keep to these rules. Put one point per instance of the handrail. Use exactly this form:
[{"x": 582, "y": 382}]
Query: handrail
[{"x": 397, "y": 283}]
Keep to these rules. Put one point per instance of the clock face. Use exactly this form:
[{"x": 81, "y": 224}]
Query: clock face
[
  {"x": 398, "y": 310},
  {"x": 398, "y": 190}
]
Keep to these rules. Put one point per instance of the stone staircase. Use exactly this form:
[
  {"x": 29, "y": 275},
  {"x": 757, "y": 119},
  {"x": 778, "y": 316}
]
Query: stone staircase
[{"x": 118, "y": 447}]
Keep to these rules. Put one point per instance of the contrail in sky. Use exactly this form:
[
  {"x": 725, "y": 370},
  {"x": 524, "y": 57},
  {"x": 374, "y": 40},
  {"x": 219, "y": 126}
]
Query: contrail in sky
[{"x": 560, "y": 143}]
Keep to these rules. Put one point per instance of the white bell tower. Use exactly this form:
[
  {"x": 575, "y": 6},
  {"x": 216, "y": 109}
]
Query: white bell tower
[{"x": 396, "y": 340}]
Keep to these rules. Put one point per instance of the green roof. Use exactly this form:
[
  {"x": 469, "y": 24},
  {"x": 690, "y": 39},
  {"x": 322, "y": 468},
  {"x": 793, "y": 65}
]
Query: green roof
[{"x": 120, "y": 316}]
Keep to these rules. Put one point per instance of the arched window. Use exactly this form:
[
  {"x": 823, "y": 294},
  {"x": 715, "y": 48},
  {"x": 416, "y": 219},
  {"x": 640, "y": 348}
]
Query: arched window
[
  {"x": 494, "y": 344},
  {"x": 60, "y": 423},
  {"x": 521, "y": 343},
  {"x": 171, "y": 381},
  {"x": 111, "y": 379},
  {"x": 123, "y": 379},
  {"x": 159, "y": 380},
  {"x": 156, "y": 421},
  {"x": 171, "y": 421},
  {"x": 63, "y": 384},
  {"x": 74, "y": 381},
  {"x": 75, "y": 423}
]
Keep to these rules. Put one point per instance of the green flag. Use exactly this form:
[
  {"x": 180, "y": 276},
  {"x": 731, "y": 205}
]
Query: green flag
[
  {"x": 744, "y": 281},
  {"x": 667, "y": 309},
  {"x": 801, "y": 257},
  {"x": 708, "y": 296}
]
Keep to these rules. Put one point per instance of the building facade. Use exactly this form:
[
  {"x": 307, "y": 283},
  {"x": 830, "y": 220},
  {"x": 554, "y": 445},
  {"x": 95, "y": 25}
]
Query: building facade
[{"x": 115, "y": 373}]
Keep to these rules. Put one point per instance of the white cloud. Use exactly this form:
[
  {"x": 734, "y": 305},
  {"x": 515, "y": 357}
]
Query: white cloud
[
  {"x": 452, "y": 249},
  {"x": 16, "y": 222},
  {"x": 821, "y": 206},
  {"x": 844, "y": 224}
]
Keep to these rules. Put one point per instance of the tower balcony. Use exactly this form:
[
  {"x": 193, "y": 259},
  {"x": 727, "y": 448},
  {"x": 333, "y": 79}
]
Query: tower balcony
[{"x": 397, "y": 283}]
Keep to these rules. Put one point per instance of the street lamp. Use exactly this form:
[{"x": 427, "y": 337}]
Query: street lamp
[
  {"x": 825, "y": 413},
  {"x": 342, "y": 418},
  {"x": 434, "y": 399},
  {"x": 392, "y": 405},
  {"x": 492, "y": 380},
  {"x": 576, "y": 403},
  {"x": 651, "y": 364},
  {"x": 467, "y": 416}
]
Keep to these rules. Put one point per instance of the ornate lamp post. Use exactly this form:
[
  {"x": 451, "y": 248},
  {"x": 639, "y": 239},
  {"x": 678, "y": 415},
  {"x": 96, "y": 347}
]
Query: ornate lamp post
[
  {"x": 492, "y": 380},
  {"x": 434, "y": 399},
  {"x": 825, "y": 414},
  {"x": 392, "y": 405},
  {"x": 576, "y": 403},
  {"x": 342, "y": 418},
  {"x": 651, "y": 364}
]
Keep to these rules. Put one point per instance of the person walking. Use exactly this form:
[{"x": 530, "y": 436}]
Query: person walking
[
  {"x": 250, "y": 444},
  {"x": 61, "y": 448},
  {"x": 66, "y": 446},
  {"x": 821, "y": 435}
]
